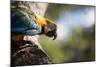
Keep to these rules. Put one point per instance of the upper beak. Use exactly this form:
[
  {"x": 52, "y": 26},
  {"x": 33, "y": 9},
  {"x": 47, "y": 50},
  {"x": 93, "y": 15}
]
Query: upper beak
[
  {"x": 52, "y": 34},
  {"x": 55, "y": 36}
]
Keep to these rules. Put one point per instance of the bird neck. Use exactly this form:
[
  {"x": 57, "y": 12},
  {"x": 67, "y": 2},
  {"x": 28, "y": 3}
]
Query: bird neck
[{"x": 41, "y": 21}]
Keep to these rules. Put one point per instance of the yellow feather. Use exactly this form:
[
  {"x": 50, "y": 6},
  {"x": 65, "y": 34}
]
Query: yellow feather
[{"x": 41, "y": 20}]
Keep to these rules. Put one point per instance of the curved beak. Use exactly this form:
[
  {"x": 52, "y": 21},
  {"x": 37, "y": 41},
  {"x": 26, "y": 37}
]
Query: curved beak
[{"x": 55, "y": 36}]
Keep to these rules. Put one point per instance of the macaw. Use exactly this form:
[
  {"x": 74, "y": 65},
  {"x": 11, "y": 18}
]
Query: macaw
[{"x": 26, "y": 22}]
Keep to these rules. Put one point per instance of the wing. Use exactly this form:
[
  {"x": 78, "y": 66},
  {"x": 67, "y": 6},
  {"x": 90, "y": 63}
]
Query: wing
[{"x": 22, "y": 24}]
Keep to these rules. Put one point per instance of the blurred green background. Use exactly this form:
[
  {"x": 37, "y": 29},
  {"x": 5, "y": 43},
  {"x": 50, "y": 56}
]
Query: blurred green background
[{"x": 76, "y": 33}]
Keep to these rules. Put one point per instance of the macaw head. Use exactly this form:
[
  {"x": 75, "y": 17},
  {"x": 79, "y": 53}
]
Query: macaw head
[{"x": 48, "y": 27}]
